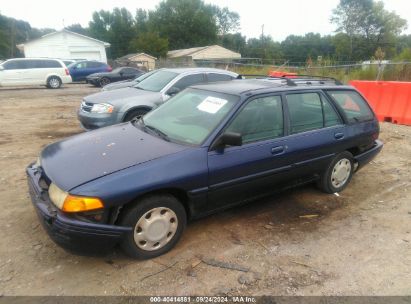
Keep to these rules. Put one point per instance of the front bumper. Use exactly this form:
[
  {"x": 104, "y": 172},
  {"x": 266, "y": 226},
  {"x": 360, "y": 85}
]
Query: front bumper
[
  {"x": 94, "y": 81},
  {"x": 91, "y": 121},
  {"x": 71, "y": 234},
  {"x": 365, "y": 157}
]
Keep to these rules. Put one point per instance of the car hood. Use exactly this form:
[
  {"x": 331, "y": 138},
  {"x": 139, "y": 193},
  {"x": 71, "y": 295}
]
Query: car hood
[
  {"x": 102, "y": 74},
  {"x": 85, "y": 157},
  {"x": 123, "y": 94}
]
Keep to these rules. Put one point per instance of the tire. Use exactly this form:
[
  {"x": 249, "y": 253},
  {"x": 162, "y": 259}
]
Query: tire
[
  {"x": 149, "y": 238},
  {"x": 104, "y": 81},
  {"x": 338, "y": 174},
  {"x": 135, "y": 114},
  {"x": 53, "y": 82}
]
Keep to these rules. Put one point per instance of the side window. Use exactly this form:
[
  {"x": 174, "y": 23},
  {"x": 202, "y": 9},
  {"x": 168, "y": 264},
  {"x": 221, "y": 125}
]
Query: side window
[
  {"x": 260, "y": 119},
  {"x": 189, "y": 80},
  {"x": 81, "y": 65},
  {"x": 50, "y": 64},
  {"x": 129, "y": 71},
  {"x": 353, "y": 105},
  {"x": 212, "y": 77},
  {"x": 308, "y": 111}
]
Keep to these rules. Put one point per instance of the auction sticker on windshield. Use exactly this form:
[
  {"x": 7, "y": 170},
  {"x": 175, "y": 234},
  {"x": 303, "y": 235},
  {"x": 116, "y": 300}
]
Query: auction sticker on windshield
[{"x": 211, "y": 104}]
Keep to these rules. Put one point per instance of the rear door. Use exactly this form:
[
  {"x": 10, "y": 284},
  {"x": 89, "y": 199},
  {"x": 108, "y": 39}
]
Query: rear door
[{"x": 315, "y": 132}]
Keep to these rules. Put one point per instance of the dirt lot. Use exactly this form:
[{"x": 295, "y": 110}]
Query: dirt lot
[{"x": 358, "y": 243}]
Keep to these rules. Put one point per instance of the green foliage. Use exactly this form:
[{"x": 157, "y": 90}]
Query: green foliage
[
  {"x": 77, "y": 28},
  {"x": 368, "y": 25},
  {"x": 150, "y": 43},
  {"x": 115, "y": 27},
  {"x": 186, "y": 23}
]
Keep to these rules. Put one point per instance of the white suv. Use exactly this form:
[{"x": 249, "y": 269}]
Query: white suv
[{"x": 34, "y": 71}]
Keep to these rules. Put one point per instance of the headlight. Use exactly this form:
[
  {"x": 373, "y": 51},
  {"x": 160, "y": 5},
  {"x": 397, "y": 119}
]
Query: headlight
[
  {"x": 73, "y": 203},
  {"x": 102, "y": 108}
]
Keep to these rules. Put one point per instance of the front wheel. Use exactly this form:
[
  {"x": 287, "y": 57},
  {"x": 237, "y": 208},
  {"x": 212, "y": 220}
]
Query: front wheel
[
  {"x": 135, "y": 114},
  {"x": 158, "y": 222},
  {"x": 338, "y": 174}
]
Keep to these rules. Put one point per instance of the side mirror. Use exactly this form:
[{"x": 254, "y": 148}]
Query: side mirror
[
  {"x": 228, "y": 139},
  {"x": 121, "y": 73},
  {"x": 173, "y": 91}
]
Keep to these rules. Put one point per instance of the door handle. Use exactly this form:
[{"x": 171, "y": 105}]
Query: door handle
[
  {"x": 339, "y": 135},
  {"x": 277, "y": 150}
]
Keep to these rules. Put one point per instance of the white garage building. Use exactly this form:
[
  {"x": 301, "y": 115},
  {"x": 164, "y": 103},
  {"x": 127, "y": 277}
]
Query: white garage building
[{"x": 65, "y": 45}]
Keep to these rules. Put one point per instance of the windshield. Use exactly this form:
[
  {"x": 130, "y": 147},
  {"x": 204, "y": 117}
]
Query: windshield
[
  {"x": 190, "y": 116},
  {"x": 157, "y": 81},
  {"x": 144, "y": 76}
]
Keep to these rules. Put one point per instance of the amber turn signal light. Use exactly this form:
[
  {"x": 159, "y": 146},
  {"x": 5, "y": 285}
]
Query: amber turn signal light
[{"x": 81, "y": 203}]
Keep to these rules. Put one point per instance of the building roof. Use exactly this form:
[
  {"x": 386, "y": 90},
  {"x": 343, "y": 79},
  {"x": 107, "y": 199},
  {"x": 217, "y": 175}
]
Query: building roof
[
  {"x": 21, "y": 46},
  {"x": 193, "y": 52},
  {"x": 130, "y": 56}
]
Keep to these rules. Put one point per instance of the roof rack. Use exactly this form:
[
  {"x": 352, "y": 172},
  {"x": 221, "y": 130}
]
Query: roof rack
[
  {"x": 295, "y": 79},
  {"x": 288, "y": 80}
]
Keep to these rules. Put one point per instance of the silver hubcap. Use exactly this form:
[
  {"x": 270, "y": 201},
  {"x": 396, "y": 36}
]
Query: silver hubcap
[
  {"x": 155, "y": 228},
  {"x": 54, "y": 83},
  {"x": 341, "y": 173}
]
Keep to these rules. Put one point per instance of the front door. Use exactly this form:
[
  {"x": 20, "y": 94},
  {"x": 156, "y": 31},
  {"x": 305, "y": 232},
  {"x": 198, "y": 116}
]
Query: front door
[{"x": 248, "y": 171}]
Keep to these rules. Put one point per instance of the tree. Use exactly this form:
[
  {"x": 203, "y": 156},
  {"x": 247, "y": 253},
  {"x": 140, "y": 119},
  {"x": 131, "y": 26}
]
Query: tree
[
  {"x": 368, "y": 20},
  {"x": 226, "y": 20},
  {"x": 77, "y": 28},
  {"x": 114, "y": 27},
  {"x": 186, "y": 23},
  {"x": 150, "y": 43},
  {"x": 235, "y": 42}
]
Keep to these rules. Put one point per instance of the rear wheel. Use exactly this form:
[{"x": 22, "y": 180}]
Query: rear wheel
[
  {"x": 53, "y": 82},
  {"x": 104, "y": 81},
  {"x": 338, "y": 174},
  {"x": 158, "y": 222},
  {"x": 135, "y": 114}
]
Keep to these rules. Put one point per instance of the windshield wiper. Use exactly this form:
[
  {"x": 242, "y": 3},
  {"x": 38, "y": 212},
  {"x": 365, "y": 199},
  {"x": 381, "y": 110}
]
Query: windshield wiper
[{"x": 157, "y": 131}]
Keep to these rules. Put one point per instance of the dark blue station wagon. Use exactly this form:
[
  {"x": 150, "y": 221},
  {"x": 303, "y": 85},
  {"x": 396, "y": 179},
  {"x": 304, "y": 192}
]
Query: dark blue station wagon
[{"x": 208, "y": 148}]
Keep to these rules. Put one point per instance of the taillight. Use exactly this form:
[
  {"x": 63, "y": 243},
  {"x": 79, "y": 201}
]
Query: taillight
[
  {"x": 109, "y": 69},
  {"x": 67, "y": 72}
]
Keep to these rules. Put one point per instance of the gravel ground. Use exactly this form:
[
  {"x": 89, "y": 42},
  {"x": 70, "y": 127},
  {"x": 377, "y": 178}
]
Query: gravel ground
[{"x": 357, "y": 243}]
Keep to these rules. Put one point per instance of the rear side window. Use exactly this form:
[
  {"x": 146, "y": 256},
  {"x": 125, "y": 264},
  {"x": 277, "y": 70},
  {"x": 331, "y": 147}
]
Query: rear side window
[
  {"x": 92, "y": 64},
  {"x": 188, "y": 81},
  {"x": 212, "y": 77},
  {"x": 308, "y": 111},
  {"x": 353, "y": 105},
  {"x": 46, "y": 64}
]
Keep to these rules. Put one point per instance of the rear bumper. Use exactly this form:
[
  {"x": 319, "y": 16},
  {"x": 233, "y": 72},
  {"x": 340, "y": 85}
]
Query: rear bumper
[
  {"x": 365, "y": 157},
  {"x": 71, "y": 234},
  {"x": 66, "y": 79}
]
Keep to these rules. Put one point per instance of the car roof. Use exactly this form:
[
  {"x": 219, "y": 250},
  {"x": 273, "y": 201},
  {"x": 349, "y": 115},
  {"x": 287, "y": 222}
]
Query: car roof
[
  {"x": 260, "y": 86},
  {"x": 199, "y": 69}
]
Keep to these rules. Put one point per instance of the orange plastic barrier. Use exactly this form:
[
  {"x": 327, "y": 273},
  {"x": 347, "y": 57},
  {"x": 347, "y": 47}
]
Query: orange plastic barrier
[
  {"x": 390, "y": 100},
  {"x": 281, "y": 74}
]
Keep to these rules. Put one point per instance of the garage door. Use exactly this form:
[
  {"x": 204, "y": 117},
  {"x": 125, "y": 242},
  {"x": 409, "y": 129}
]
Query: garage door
[{"x": 86, "y": 55}]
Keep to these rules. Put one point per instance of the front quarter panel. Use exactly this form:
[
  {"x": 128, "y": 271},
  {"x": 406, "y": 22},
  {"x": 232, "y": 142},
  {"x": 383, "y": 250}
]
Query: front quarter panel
[{"x": 185, "y": 170}]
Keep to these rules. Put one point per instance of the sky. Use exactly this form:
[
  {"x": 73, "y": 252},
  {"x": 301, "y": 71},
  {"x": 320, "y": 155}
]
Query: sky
[{"x": 279, "y": 17}]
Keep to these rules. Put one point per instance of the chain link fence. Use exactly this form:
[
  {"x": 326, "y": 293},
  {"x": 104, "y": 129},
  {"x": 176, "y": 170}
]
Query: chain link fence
[{"x": 388, "y": 71}]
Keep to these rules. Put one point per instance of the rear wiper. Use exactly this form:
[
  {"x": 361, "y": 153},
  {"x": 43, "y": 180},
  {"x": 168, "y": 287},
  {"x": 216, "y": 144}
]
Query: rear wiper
[{"x": 157, "y": 131}]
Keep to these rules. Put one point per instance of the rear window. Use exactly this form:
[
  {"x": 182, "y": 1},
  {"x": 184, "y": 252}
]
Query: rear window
[
  {"x": 353, "y": 105},
  {"x": 212, "y": 77}
]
